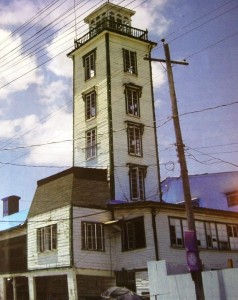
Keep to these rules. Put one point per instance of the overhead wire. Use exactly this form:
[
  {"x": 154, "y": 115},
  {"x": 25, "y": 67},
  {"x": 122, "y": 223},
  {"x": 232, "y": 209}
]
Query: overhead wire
[
  {"x": 199, "y": 18},
  {"x": 29, "y": 21}
]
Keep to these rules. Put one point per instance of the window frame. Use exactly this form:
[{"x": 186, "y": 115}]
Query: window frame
[
  {"x": 132, "y": 96},
  {"x": 47, "y": 239},
  {"x": 137, "y": 175},
  {"x": 90, "y": 100},
  {"x": 214, "y": 236},
  {"x": 130, "y": 61},
  {"x": 91, "y": 143},
  {"x": 133, "y": 234},
  {"x": 93, "y": 237},
  {"x": 89, "y": 64},
  {"x": 232, "y": 198},
  {"x": 134, "y": 138}
]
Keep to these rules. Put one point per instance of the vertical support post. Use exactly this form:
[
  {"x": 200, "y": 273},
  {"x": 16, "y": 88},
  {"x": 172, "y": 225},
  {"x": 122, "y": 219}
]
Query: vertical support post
[
  {"x": 72, "y": 285},
  {"x": 32, "y": 287},
  {"x": 2, "y": 288},
  {"x": 196, "y": 275},
  {"x": 14, "y": 288}
]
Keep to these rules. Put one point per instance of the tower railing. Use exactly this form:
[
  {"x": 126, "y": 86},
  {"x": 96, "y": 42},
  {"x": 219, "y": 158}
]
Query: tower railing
[{"x": 110, "y": 25}]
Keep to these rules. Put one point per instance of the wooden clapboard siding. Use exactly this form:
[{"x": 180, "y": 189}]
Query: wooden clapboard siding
[
  {"x": 101, "y": 121},
  {"x": 115, "y": 84},
  {"x": 52, "y": 259},
  {"x": 85, "y": 259}
]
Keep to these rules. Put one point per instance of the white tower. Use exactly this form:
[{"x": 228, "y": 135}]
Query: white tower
[{"x": 114, "y": 117}]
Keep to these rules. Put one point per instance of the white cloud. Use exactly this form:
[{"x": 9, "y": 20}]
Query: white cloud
[
  {"x": 17, "y": 12},
  {"x": 53, "y": 93},
  {"x": 9, "y": 128},
  {"x": 60, "y": 64},
  {"x": 150, "y": 16},
  {"x": 58, "y": 128},
  {"x": 32, "y": 131},
  {"x": 159, "y": 75},
  {"x": 14, "y": 65}
]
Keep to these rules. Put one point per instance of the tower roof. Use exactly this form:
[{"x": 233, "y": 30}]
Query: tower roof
[{"x": 108, "y": 7}]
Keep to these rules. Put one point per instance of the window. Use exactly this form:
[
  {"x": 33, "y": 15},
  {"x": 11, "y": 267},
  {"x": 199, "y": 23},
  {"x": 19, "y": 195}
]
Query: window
[
  {"x": 130, "y": 61},
  {"x": 92, "y": 236},
  {"x": 133, "y": 94},
  {"x": 126, "y": 278},
  {"x": 137, "y": 185},
  {"x": 47, "y": 238},
  {"x": 133, "y": 234},
  {"x": 222, "y": 237},
  {"x": 233, "y": 236},
  {"x": 177, "y": 227},
  {"x": 201, "y": 235},
  {"x": 210, "y": 235},
  {"x": 89, "y": 65},
  {"x": 91, "y": 143},
  {"x": 134, "y": 134},
  {"x": 232, "y": 198},
  {"x": 90, "y": 105}
]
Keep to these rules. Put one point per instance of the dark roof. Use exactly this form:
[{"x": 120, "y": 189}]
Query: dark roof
[{"x": 74, "y": 186}]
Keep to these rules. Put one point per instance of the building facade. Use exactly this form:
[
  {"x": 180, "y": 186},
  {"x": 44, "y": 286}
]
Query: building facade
[
  {"x": 114, "y": 121},
  {"x": 78, "y": 243},
  {"x": 98, "y": 223}
]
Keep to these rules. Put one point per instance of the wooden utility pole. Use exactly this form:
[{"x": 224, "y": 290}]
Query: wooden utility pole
[{"x": 196, "y": 275}]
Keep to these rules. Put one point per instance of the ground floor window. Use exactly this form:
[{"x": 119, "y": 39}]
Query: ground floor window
[
  {"x": 133, "y": 234},
  {"x": 126, "y": 279},
  {"x": 210, "y": 235}
]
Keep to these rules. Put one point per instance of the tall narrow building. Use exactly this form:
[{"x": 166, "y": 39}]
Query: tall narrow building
[{"x": 114, "y": 118}]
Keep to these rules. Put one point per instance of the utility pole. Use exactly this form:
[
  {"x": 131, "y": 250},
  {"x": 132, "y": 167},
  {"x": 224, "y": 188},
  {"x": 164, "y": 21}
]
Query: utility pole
[{"x": 196, "y": 275}]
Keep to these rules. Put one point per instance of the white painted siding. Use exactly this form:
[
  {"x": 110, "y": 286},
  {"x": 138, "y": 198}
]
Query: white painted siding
[
  {"x": 211, "y": 259},
  {"x": 85, "y": 259},
  {"x": 136, "y": 259},
  {"x": 143, "y": 79},
  {"x": 118, "y": 105},
  {"x": 51, "y": 259},
  {"x": 101, "y": 120}
]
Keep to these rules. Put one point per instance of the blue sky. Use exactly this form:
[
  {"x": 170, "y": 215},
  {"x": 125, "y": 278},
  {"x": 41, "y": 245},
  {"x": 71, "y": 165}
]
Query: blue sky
[{"x": 36, "y": 85}]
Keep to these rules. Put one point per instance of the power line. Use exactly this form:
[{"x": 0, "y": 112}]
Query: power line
[
  {"x": 213, "y": 157},
  {"x": 212, "y": 45},
  {"x": 210, "y": 20},
  {"x": 199, "y": 18}
]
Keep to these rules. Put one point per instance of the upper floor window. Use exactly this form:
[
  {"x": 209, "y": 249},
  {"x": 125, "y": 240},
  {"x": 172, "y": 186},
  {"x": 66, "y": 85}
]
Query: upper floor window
[
  {"x": 137, "y": 182},
  {"x": 130, "y": 61},
  {"x": 90, "y": 105},
  {"x": 133, "y": 94},
  {"x": 89, "y": 63},
  {"x": 232, "y": 198},
  {"x": 47, "y": 238},
  {"x": 210, "y": 235},
  {"x": 92, "y": 236},
  {"x": 91, "y": 143},
  {"x": 133, "y": 234},
  {"x": 134, "y": 133}
]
